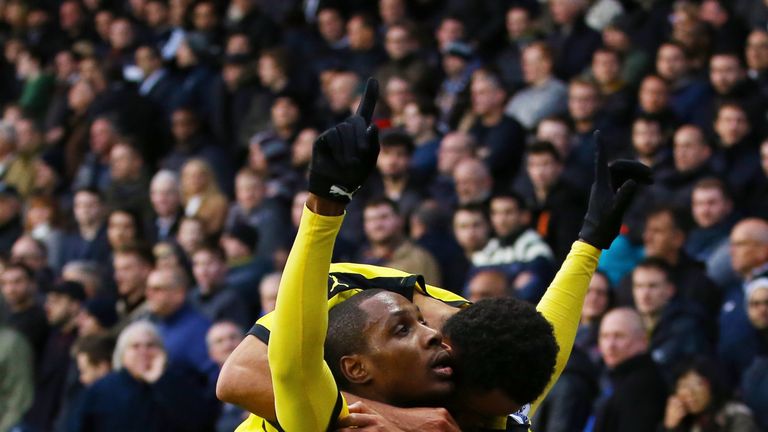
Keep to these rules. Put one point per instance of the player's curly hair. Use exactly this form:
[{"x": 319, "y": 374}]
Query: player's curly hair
[{"x": 503, "y": 344}]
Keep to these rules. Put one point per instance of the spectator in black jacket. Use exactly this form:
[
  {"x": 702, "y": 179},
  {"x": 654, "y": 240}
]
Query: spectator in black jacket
[
  {"x": 635, "y": 401},
  {"x": 500, "y": 138},
  {"x": 676, "y": 327},
  {"x": 157, "y": 84},
  {"x": 393, "y": 178},
  {"x": 738, "y": 151},
  {"x": 365, "y": 54},
  {"x": 573, "y": 41},
  {"x": 693, "y": 160},
  {"x": 555, "y": 205},
  {"x": 62, "y": 306},
  {"x": 730, "y": 83},
  {"x": 569, "y": 404}
]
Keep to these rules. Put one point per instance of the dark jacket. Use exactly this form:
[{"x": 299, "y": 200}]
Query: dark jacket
[
  {"x": 739, "y": 342},
  {"x": 741, "y": 167},
  {"x": 78, "y": 248},
  {"x": 558, "y": 219},
  {"x": 223, "y": 304},
  {"x": 674, "y": 187},
  {"x": 702, "y": 242},
  {"x": 573, "y": 48},
  {"x": 33, "y": 324},
  {"x": 692, "y": 283},
  {"x": 688, "y": 96},
  {"x": 755, "y": 388},
  {"x": 681, "y": 333},
  {"x": 51, "y": 380},
  {"x": 245, "y": 277},
  {"x": 118, "y": 402},
  {"x": 638, "y": 398},
  {"x": 504, "y": 144},
  {"x": 569, "y": 404},
  {"x": 9, "y": 233},
  {"x": 415, "y": 70}
]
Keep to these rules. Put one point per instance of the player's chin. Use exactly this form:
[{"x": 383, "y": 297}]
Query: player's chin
[{"x": 440, "y": 389}]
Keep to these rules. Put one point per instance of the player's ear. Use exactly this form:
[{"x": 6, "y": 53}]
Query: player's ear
[{"x": 354, "y": 369}]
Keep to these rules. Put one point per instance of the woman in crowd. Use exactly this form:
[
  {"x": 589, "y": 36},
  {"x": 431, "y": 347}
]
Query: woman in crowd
[
  {"x": 143, "y": 392},
  {"x": 201, "y": 195},
  {"x": 596, "y": 304},
  {"x": 702, "y": 402}
]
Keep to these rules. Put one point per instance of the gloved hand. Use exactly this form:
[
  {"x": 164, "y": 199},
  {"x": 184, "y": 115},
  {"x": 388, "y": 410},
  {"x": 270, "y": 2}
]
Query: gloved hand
[
  {"x": 343, "y": 156},
  {"x": 611, "y": 193}
]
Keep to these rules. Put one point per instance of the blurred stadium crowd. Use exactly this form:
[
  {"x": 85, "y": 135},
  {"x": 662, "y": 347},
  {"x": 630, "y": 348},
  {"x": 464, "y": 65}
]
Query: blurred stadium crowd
[{"x": 153, "y": 160}]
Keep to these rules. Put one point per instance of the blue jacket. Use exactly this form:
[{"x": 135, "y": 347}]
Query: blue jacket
[
  {"x": 755, "y": 390},
  {"x": 680, "y": 333},
  {"x": 184, "y": 333}
]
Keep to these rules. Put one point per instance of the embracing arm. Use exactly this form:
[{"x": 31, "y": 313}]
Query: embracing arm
[
  {"x": 405, "y": 419},
  {"x": 245, "y": 379}
]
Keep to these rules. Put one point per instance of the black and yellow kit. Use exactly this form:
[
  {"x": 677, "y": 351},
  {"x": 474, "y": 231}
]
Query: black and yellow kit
[{"x": 306, "y": 396}]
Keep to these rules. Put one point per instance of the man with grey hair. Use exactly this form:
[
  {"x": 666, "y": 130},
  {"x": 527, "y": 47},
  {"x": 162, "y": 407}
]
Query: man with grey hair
[
  {"x": 639, "y": 392},
  {"x": 755, "y": 377},
  {"x": 145, "y": 392},
  {"x": 183, "y": 328},
  {"x": 749, "y": 258},
  {"x": 88, "y": 273},
  {"x": 473, "y": 182},
  {"x": 165, "y": 195}
]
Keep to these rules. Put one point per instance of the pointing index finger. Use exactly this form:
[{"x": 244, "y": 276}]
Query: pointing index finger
[{"x": 368, "y": 101}]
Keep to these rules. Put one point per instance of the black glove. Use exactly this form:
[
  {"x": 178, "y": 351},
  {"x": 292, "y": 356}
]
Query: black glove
[
  {"x": 343, "y": 156},
  {"x": 611, "y": 194}
]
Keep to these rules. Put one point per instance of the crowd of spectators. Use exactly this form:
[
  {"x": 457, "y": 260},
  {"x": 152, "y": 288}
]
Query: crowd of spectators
[{"x": 153, "y": 160}]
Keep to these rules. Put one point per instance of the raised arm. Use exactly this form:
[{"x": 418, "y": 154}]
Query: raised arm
[
  {"x": 306, "y": 396},
  {"x": 612, "y": 190},
  {"x": 305, "y": 391}
]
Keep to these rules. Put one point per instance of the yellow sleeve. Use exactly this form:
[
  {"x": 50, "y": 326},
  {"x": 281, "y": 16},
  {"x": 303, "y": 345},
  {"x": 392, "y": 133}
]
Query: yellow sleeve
[
  {"x": 305, "y": 392},
  {"x": 562, "y": 303}
]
